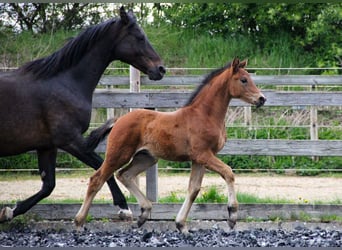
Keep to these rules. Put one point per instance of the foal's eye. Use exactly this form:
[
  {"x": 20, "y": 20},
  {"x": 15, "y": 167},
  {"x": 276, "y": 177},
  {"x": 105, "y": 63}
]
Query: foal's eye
[{"x": 243, "y": 80}]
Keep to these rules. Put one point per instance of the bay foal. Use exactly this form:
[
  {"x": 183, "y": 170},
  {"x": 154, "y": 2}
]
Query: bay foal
[{"x": 195, "y": 132}]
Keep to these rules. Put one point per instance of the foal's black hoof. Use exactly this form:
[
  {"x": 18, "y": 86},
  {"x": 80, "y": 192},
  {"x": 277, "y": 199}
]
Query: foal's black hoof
[
  {"x": 231, "y": 224},
  {"x": 141, "y": 221}
]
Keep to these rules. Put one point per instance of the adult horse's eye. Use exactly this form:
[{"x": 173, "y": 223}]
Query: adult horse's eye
[
  {"x": 141, "y": 38},
  {"x": 243, "y": 80}
]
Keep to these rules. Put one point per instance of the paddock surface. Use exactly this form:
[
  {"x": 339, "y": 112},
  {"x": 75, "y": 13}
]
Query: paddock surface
[{"x": 297, "y": 189}]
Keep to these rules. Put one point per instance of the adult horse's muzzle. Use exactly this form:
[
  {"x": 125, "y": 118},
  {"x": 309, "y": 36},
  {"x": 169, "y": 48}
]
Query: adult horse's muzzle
[
  {"x": 261, "y": 101},
  {"x": 156, "y": 73}
]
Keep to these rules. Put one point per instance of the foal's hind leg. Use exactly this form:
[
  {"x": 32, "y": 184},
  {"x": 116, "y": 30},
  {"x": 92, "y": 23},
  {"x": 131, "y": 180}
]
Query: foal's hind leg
[
  {"x": 195, "y": 181},
  {"x": 94, "y": 160},
  {"x": 141, "y": 161},
  {"x": 95, "y": 184},
  {"x": 47, "y": 164}
]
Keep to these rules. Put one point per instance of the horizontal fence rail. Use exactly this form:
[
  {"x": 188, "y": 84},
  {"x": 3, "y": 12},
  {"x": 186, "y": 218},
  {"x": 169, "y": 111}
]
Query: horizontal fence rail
[
  {"x": 274, "y": 147},
  {"x": 258, "y": 79},
  {"x": 104, "y": 98}
]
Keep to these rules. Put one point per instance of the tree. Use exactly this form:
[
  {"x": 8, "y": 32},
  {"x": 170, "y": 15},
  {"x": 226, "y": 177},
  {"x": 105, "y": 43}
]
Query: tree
[
  {"x": 314, "y": 27},
  {"x": 46, "y": 17}
]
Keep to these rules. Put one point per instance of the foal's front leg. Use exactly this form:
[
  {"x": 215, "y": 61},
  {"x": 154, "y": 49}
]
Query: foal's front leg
[
  {"x": 195, "y": 182},
  {"x": 226, "y": 172}
]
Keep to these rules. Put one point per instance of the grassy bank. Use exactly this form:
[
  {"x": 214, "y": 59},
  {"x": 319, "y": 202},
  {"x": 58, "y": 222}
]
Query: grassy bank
[{"x": 178, "y": 48}]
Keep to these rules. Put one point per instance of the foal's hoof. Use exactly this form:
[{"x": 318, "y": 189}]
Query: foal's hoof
[
  {"x": 6, "y": 214},
  {"x": 232, "y": 216},
  {"x": 145, "y": 213},
  {"x": 182, "y": 228},
  {"x": 141, "y": 221},
  {"x": 79, "y": 223},
  {"x": 125, "y": 214},
  {"x": 231, "y": 223}
]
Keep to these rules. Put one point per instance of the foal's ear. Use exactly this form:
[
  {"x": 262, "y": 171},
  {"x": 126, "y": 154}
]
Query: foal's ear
[
  {"x": 126, "y": 17},
  {"x": 243, "y": 64},
  {"x": 236, "y": 65}
]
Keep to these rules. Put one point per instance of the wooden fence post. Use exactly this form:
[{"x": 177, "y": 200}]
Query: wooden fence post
[
  {"x": 134, "y": 86},
  {"x": 152, "y": 172},
  {"x": 248, "y": 115},
  {"x": 110, "y": 111},
  {"x": 313, "y": 123}
]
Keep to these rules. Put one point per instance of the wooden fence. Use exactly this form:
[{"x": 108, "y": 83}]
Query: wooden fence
[
  {"x": 151, "y": 97},
  {"x": 122, "y": 98}
]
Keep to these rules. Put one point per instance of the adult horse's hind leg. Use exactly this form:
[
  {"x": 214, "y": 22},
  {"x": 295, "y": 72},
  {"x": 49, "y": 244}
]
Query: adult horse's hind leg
[
  {"x": 94, "y": 160},
  {"x": 140, "y": 162},
  {"x": 47, "y": 165},
  {"x": 195, "y": 181}
]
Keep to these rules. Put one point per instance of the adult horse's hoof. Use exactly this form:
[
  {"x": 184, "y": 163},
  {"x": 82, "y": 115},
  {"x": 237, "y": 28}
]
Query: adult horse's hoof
[
  {"x": 6, "y": 214},
  {"x": 125, "y": 214}
]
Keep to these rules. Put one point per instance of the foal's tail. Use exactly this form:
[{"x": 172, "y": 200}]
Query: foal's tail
[{"x": 99, "y": 134}]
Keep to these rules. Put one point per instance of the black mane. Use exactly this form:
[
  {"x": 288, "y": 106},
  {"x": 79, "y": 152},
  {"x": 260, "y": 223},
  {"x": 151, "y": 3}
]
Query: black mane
[
  {"x": 69, "y": 55},
  {"x": 206, "y": 80}
]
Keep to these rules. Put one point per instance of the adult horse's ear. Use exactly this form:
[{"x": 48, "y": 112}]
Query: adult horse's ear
[
  {"x": 243, "y": 64},
  {"x": 127, "y": 17},
  {"x": 236, "y": 65},
  {"x": 124, "y": 16}
]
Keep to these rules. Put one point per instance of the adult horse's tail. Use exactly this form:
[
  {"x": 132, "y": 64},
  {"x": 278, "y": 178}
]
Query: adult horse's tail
[{"x": 99, "y": 134}]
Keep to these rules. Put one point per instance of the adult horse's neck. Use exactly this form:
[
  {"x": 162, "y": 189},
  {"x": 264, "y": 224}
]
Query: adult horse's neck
[
  {"x": 87, "y": 73},
  {"x": 81, "y": 62},
  {"x": 214, "y": 97}
]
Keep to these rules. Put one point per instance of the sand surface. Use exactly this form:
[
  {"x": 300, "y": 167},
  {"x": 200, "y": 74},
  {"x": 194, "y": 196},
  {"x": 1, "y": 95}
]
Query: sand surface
[{"x": 294, "y": 188}]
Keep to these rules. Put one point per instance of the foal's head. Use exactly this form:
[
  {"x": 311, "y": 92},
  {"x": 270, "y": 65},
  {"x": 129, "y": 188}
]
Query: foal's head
[{"x": 242, "y": 86}]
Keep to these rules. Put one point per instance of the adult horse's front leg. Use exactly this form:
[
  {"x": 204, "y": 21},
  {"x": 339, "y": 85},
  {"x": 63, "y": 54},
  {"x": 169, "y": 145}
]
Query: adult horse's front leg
[
  {"x": 95, "y": 161},
  {"x": 196, "y": 177},
  {"x": 47, "y": 165}
]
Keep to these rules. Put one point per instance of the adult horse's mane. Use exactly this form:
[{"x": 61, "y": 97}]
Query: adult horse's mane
[
  {"x": 69, "y": 55},
  {"x": 206, "y": 80}
]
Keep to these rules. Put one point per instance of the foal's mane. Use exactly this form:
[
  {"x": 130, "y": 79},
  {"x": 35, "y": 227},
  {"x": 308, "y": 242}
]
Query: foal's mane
[
  {"x": 70, "y": 54},
  {"x": 205, "y": 82}
]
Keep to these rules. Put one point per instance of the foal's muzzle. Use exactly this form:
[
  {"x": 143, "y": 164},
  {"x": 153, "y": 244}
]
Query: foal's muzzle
[
  {"x": 156, "y": 73},
  {"x": 261, "y": 101}
]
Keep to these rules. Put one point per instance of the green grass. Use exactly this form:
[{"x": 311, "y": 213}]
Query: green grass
[{"x": 178, "y": 48}]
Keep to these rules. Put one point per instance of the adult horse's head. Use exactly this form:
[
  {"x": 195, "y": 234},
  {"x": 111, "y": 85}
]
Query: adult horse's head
[
  {"x": 242, "y": 86},
  {"x": 134, "y": 48}
]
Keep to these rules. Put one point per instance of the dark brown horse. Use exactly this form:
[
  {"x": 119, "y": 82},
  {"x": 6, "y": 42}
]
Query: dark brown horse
[
  {"x": 52, "y": 98},
  {"x": 193, "y": 133}
]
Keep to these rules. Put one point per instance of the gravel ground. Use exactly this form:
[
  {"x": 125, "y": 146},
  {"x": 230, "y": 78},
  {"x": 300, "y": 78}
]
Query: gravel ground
[
  {"x": 163, "y": 234},
  {"x": 299, "y": 237}
]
